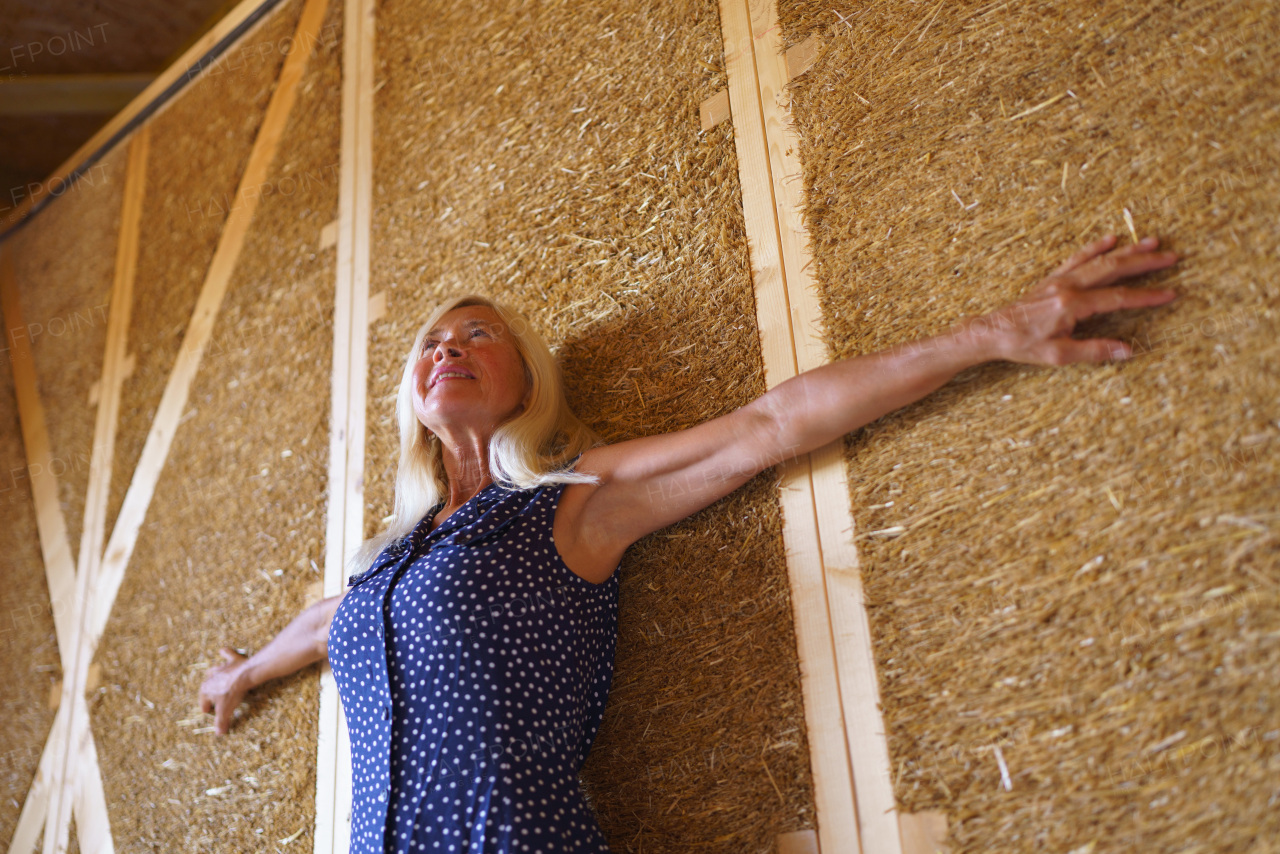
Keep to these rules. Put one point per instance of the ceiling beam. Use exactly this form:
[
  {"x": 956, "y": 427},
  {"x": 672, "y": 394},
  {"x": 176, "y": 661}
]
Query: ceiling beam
[{"x": 46, "y": 94}]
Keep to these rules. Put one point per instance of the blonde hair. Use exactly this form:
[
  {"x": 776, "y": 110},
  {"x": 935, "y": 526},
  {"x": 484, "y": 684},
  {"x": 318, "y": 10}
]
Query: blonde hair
[{"x": 529, "y": 450}]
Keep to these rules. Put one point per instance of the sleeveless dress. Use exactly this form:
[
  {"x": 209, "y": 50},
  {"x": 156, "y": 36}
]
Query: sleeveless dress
[{"x": 473, "y": 667}]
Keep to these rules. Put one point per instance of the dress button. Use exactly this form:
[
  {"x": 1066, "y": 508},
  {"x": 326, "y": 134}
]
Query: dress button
[
  {"x": 382, "y": 796},
  {"x": 386, "y": 713}
]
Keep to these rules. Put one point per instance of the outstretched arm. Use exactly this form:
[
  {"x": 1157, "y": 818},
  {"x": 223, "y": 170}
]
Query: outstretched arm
[
  {"x": 649, "y": 483},
  {"x": 304, "y": 641},
  {"x": 820, "y": 405}
]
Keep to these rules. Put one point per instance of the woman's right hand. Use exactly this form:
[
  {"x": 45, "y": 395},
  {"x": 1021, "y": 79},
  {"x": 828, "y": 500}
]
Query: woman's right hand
[
  {"x": 223, "y": 688},
  {"x": 304, "y": 641}
]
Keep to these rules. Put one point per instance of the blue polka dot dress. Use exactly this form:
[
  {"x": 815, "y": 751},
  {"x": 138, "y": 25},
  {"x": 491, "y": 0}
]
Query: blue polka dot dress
[{"x": 473, "y": 667}]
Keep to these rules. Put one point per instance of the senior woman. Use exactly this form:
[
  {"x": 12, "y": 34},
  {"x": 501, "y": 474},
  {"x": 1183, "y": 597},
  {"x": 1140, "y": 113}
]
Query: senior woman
[{"x": 473, "y": 649}]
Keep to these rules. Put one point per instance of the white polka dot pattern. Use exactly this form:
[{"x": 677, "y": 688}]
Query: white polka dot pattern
[{"x": 473, "y": 667}]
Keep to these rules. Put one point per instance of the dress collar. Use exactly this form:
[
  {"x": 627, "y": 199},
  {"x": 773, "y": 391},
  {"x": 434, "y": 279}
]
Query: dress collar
[
  {"x": 476, "y": 506},
  {"x": 483, "y": 515}
]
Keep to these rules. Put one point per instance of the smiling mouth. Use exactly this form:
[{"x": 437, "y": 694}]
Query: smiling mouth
[{"x": 449, "y": 375}]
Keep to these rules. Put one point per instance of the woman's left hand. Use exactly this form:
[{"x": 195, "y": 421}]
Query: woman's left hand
[{"x": 1036, "y": 330}]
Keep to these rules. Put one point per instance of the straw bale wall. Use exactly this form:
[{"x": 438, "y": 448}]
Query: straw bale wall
[
  {"x": 611, "y": 222},
  {"x": 230, "y": 548},
  {"x": 1071, "y": 573},
  {"x": 234, "y": 539}
]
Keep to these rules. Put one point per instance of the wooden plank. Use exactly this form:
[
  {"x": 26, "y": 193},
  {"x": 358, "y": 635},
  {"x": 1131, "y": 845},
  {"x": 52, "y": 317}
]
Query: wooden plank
[
  {"x": 832, "y": 776},
  {"x": 63, "y": 94},
  {"x": 714, "y": 110},
  {"x": 93, "y": 825},
  {"x": 345, "y": 516},
  {"x": 126, "y": 371},
  {"x": 753, "y": 166},
  {"x": 115, "y": 363},
  {"x": 51, "y": 525},
  {"x": 329, "y": 235},
  {"x": 377, "y": 306},
  {"x": 63, "y": 587},
  {"x": 77, "y": 789},
  {"x": 924, "y": 832},
  {"x": 65, "y": 739},
  {"x": 88, "y": 798},
  {"x": 798, "y": 842},
  {"x": 801, "y": 57},
  {"x": 93, "y": 828},
  {"x": 358, "y": 238},
  {"x": 34, "y": 808},
  {"x": 238, "y": 25},
  {"x": 859, "y": 690}
]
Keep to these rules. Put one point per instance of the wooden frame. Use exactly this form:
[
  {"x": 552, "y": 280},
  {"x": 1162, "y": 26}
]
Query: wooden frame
[
  {"x": 56, "y": 551},
  {"x": 848, "y": 748},
  {"x": 45, "y": 801},
  {"x": 68, "y": 779},
  {"x": 345, "y": 519}
]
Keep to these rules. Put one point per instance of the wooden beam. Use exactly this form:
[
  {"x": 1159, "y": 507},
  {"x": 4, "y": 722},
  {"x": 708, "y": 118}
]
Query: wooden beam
[
  {"x": 34, "y": 809},
  {"x": 377, "y": 306},
  {"x": 714, "y": 110},
  {"x": 852, "y": 775},
  {"x": 802, "y": 56},
  {"x": 90, "y": 802},
  {"x": 89, "y": 799},
  {"x": 828, "y": 752},
  {"x": 797, "y": 842},
  {"x": 51, "y": 525},
  {"x": 63, "y": 94},
  {"x": 924, "y": 832},
  {"x": 329, "y": 235},
  {"x": 859, "y": 689},
  {"x": 115, "y": 363},
  {"x": 51, "y": 528},
  {"x": 243, "y": 20},
  {"x": 345, "y": 517},
  {"x": 93, "y": 828}
]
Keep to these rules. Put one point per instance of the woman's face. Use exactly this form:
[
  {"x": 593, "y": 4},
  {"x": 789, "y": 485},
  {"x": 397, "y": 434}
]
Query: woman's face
[{"x": 474, "y": 342}]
